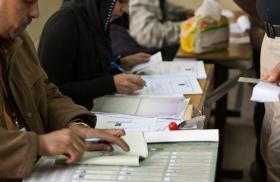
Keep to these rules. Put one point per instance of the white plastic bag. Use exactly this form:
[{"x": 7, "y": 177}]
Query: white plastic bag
[{"x": 210, "y": 8}]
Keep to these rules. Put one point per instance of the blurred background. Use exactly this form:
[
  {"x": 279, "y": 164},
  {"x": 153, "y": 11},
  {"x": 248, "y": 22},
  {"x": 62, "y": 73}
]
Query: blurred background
[{"x": 48, "y": 7}]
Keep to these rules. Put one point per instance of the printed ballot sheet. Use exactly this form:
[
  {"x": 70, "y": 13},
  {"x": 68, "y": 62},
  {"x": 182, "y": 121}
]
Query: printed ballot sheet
[
  {"x": 265, "y": 92},
  {"x": 172, "y": 107},
  {"x": 178, "y": 162},
  {"x": 169, "y": 85},
  {"x": 178, "y": 66}
]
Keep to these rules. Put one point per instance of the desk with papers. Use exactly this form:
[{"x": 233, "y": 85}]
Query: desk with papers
[
  {"x": 191, "y": 156},
  {"x": 167, "y": 162},
  {"x": 236, "y": 56}
]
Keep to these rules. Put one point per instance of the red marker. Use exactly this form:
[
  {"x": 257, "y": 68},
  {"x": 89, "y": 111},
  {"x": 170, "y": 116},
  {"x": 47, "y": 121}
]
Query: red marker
[{"x": 173, "y": 126}]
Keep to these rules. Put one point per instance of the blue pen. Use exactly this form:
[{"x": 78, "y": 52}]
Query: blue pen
[
  {"x": 93, "y": 139},
  {"x": 115, "y": 65}
]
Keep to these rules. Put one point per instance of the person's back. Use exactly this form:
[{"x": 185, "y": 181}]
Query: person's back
[
  {"x": 75, "y": 50},
  {"x": 66, "y": 51},
  {"x": 152, "y": 23}
]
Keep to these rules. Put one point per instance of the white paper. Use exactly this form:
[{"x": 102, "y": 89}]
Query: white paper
[
  {"x": 169, "y": 85},
  {"x": 265, "y": 92},
  {"x": 227, "y": 13},
  {"x": 244, "y": 23},
  {"x": 154, "y": 59},
  {"x": 133, "y": 123},
  {"x": 137, "y": 145},
  {"x": 142, "y": 106},
  {"x": 178, "y": 66},
  {"x": 182, "y": 136},
  {"x": 235, "y": 28}
]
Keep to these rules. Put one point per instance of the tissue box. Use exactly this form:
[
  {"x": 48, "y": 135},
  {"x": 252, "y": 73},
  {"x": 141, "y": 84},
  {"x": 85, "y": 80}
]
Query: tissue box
[{"x": 202, "y": 34}]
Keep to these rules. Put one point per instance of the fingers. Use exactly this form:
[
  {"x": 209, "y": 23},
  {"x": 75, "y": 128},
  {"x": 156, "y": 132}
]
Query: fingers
[
  {"x": 142, "y": 57},
  {"x": 115, "y": 132},
  {"x": 135, "y": 82},
  {"x": 129, "y": 61},
  {"x": 108, "y": 138},
  {"x": 127, "y": 84},
  {"x": 73, "y": 155},
  {"x": 75, "y": 147},
  {"x": 273, "y": 75},
  {"x": 99, "y": 147}
]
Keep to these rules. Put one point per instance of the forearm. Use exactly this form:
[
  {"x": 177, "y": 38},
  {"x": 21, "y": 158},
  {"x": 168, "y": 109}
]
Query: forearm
[
  {"x": 149, "y": 32},
  {"x": 62, "y": 110},
  {"x": 18, "y": 153},
  {"x": 177, "y": 13},
  {"x": 146, "y": 26}
]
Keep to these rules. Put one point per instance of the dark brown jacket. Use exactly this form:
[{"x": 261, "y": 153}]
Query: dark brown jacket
[{"x": 41, "y": 106}]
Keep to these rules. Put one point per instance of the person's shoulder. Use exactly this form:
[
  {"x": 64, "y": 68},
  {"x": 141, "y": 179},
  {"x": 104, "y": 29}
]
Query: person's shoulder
[{"x": 62, "y": 17}]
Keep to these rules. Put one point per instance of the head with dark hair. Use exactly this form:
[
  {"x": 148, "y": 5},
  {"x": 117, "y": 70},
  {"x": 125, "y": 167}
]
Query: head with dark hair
[{"x": 98, "y": 15}]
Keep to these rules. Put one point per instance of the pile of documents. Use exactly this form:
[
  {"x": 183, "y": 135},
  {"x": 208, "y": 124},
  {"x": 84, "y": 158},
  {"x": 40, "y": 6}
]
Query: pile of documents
[{"x": 145, "y": 117}]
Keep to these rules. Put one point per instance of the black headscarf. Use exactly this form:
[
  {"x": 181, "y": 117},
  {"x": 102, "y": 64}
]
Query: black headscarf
[{"x": 96, "y": 14}]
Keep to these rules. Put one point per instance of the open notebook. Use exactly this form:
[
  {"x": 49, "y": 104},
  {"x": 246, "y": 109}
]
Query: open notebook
[{"x": 138, "y": 151}]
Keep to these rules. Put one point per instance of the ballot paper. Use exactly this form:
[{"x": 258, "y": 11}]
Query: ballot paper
[
  {"x": 182, "y": 136},
  {"x": 188, "y": 67},
  {"x": 154, "y": 59},
  {"x": 133, "y": 123},
  {"x": 174, "y": 162},
  {"x": 171, "y": 107},
  {"x": 169, "y": 85},
  {"x": 265, "y": 92}
]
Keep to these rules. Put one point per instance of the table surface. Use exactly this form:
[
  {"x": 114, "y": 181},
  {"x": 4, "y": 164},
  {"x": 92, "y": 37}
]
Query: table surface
[
  {"x": 207, "y": 86},
  {"x": 234, "y": 52}
]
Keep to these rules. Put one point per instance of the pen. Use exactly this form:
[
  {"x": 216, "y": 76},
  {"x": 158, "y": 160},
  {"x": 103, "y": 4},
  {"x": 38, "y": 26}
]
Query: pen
[
  {"x": 93, "y": 140},
  {"x": 115, "y": 65},
  {"x": 145, "y": 84}
]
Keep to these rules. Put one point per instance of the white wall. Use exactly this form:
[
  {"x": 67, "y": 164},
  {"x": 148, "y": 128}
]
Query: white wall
[{"x": 47, "y": 7}]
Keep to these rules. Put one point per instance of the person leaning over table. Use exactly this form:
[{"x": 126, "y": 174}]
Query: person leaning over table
[
  {"x": 35, "y": 118},
  {"x": 268, "y": 11},
  {"x": 75, "y": 51},
  {"x": 156, "y": 24}
]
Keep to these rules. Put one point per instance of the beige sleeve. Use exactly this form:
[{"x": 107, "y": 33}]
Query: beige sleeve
[{"x": 145, "y": 25}]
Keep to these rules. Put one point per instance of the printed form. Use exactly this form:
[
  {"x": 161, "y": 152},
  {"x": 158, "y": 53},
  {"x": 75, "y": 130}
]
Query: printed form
[
  {"x": 170, "y": 85},
  {"x": 188, "y": 67}
]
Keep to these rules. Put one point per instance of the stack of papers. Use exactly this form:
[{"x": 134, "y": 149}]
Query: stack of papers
[
  {"x": 182, "y": 136},
  {"x": 266, "y": 92},
  {"x": 171, "y": 107},
  {"x": 187, "y": 67},
  {"x": 133, "y": 123}
]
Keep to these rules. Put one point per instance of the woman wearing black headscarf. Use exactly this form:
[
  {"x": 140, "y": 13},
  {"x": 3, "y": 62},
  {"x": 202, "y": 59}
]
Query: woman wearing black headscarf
[{"x": 75, "y": 50}]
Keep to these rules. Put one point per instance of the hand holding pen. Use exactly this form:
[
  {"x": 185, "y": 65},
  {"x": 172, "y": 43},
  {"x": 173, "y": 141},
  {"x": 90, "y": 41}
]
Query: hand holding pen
[
  {"x": 128, "y": 83},
  {"x": 71, "y": 142}
]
